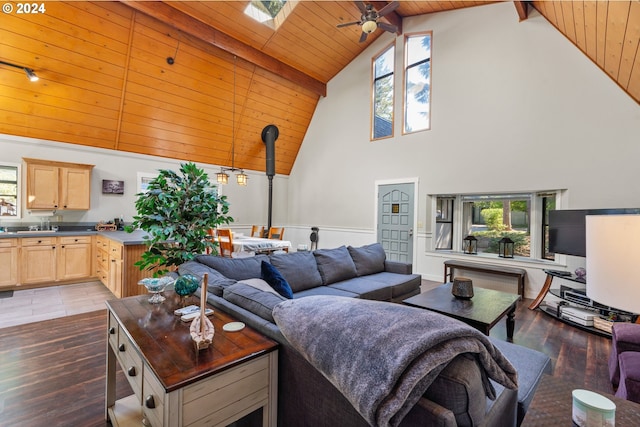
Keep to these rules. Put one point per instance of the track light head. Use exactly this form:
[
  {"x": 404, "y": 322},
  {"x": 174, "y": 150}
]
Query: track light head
[{"x": 31, "y": 75}]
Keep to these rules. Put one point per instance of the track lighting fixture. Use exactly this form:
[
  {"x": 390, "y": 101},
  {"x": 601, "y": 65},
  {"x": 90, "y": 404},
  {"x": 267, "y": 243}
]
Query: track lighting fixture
[{"x": 31, "y": 75}]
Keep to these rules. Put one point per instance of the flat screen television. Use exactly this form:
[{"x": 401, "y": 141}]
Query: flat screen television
[{"x": 567, "y": 229}]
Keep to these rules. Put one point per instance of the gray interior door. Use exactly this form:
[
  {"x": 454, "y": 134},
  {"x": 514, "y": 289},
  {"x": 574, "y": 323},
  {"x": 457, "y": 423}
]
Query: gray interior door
[{"x": 395, "y": 220}]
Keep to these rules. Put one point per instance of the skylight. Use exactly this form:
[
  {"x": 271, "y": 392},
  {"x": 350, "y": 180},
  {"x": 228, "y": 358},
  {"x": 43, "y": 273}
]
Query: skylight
[{"x": 266, "y": 11}]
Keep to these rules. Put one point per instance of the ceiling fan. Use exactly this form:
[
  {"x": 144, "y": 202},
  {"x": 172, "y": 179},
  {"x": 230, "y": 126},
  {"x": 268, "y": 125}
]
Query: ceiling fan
[{"x": 369, "y": 19}]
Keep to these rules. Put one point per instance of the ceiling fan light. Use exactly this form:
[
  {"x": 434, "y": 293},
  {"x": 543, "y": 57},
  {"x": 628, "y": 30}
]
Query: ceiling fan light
[{"x": 369, "y": 27}]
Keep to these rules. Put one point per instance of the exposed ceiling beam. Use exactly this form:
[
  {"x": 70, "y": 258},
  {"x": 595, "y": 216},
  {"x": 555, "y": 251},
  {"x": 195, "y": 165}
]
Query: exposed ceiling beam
[
  {"x": 214, "y": 37},
  {"x": 393, "y": 18},
  {"x": 521, "y": 8}
]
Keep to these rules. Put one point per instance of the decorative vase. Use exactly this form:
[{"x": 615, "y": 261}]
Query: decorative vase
[
  {"x": 186, "y": 285},
  {"x": 462, "y": 288}
]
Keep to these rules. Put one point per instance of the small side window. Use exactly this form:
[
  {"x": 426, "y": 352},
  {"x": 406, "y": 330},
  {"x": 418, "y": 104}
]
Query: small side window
[
  {"x": 417, "y": 86},
  {"x": 383, "y": 89},
  {"x": 9, "y": 191}
]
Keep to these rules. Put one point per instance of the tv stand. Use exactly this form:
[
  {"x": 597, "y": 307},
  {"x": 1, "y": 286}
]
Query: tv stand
[
  {"x": 576, "y": 296},
  {"x": 547, "y": 285}
]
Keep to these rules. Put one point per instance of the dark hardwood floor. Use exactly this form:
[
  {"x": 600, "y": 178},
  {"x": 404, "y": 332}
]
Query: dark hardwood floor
[{"x": 52, "y": 373}]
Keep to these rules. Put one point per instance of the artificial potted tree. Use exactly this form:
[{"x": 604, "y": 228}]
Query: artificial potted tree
[{"x": 176, "y": 211}]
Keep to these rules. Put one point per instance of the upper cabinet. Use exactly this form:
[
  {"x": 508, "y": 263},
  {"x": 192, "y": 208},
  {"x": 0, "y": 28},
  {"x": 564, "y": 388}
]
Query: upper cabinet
[{"x": 57, "y": 185}]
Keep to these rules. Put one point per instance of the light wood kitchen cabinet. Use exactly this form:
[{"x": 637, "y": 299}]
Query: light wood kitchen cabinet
[
  {"x": 9, "y": 262},
  {"x": 38, "y": 260},
  {"x": 58, "y": 185},
  {"x": 115, "y": 267},
  {"x": 74, "y": 257}
]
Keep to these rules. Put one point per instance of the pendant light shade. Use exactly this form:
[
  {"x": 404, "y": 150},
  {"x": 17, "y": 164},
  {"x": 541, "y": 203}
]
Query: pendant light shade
[{"x": 222, "y": 176}]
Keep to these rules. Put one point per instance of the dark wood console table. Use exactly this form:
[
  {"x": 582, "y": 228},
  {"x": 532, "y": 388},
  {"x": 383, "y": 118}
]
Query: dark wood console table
[{"x": 519, "y": 273}]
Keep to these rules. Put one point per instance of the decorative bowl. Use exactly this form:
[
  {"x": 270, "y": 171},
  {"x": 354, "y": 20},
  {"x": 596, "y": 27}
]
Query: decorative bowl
[{"x": 155, "y": 286}]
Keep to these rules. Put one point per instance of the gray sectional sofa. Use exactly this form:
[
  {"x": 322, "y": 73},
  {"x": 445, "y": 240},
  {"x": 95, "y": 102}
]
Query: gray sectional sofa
[{"x": 305, "y": 396}]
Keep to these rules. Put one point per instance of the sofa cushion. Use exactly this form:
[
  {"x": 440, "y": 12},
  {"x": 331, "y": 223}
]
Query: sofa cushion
[
  {"x": 216, "y": 282},
  {"x": 254, "y": 300},
  {"x": 335, "y": 265},
  {"x": 273, "y": 277},
  {"x": 325, "y": 290},
  {"x": 234, "y": 268},
  {"x": 530, "y": 364},
  {"x": 365, "y": 288},
  {"x": 401, "y": 284},
  {"x": 368, "y": 259},
  {"x": 298, "y": 268}
]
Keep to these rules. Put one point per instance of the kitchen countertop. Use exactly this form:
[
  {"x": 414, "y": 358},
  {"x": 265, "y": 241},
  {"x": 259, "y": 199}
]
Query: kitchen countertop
[{"x": 135, "y": 238}]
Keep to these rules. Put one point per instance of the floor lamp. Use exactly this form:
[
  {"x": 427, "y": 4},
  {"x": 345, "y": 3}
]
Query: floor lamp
[{"x": 613, "y": 260}]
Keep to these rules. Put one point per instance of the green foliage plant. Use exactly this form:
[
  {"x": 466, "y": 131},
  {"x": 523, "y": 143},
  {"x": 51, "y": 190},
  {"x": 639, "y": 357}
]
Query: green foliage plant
[
  {"x": 177, "y": 211},
  {"x": 493, "y": 218}
]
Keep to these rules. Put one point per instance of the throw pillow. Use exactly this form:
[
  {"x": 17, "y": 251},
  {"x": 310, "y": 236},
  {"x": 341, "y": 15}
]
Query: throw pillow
[
  {"x": 234, "y": 268},
  {"x": 335, "y": 265},
  {"x": 298, "y": 268},
  {"x": 259, "y": 284},
  {"x": 369, "y": 259},
  {"x": 273, "y": 277}
]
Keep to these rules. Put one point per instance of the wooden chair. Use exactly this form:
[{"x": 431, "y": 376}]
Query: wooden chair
[
  {"x": 257, "y": 231},
  {"x": 225, "y": 241},
  {"x": 276, "y": 233}
]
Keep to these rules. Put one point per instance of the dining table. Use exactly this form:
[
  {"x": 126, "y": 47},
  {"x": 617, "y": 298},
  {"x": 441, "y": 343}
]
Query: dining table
[{"x": 248, "y": 244}]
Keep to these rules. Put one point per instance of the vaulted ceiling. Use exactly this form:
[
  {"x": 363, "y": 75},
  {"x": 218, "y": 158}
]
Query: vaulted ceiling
[{"x": 200, "y": 80}]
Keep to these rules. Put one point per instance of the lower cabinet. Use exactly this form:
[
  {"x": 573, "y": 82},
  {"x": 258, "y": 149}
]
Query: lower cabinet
[
  {"x": 38, "y": 260},
  {"x": 9, "y": 261},
  {"x": 45, "y": 260},
  {"x": 74, "y": 257}
]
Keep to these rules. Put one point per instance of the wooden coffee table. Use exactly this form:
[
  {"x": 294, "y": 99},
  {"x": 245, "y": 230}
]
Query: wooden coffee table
[
  {"x": 552, "y": 405},
  {"x": 483, "y": 311}
]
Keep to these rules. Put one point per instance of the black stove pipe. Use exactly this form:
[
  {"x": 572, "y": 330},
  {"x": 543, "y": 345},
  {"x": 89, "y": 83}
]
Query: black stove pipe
[{"x": 269, "y": 135}]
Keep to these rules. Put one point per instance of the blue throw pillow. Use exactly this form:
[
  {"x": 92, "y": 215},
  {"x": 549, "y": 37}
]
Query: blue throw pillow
[{"x": 273, "y": 277}]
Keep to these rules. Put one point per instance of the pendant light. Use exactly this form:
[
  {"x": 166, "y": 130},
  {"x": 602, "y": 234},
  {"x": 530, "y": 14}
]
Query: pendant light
[{"x": 223, "y": 177}]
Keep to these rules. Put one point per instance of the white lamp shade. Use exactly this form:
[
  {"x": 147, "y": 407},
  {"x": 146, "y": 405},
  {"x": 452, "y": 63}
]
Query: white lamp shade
[{"x": 613, "y": 260}]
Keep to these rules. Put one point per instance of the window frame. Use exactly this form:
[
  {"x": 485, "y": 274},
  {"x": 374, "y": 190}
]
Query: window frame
[
  {"x": 19, "y": 190},
  {"x": 406, "y": 68},
  {"x": 374, "y": 80},
  {"x": 536, "y": 222}
]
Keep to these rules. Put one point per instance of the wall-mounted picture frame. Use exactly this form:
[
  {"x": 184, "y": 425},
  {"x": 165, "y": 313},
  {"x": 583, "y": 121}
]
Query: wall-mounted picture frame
[
  {"x": 111, "y": 186},
  {"x": 144, "y": 179}
]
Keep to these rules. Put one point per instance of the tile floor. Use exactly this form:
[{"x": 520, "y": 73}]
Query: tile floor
[{"x": 35, "y": 305}]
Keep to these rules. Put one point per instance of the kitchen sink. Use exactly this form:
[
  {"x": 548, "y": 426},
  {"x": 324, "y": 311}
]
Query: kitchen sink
[{"x": 34, "y": 231}]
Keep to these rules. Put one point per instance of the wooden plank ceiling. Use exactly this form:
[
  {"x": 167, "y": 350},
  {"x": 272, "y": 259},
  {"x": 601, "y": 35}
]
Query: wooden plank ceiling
[{"x": 106, "y": 80}]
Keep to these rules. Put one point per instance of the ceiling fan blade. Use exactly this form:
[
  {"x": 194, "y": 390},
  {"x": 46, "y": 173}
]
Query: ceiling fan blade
[
  {"x": 361, "y": 6},
  {"x": 387, "y": 27},
  {"x": 388, "y": 8},
  {"x": 346, "y": 24},
  {"x": 363, "y": 37}
]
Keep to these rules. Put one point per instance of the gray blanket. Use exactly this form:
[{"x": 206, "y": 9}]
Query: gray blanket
[{"x": 383, "y": 356}]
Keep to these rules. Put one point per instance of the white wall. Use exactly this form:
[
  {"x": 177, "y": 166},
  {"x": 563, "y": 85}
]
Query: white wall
[
  {"x": 248, "y": 205},
  {"x": 506, "y": 95}
]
